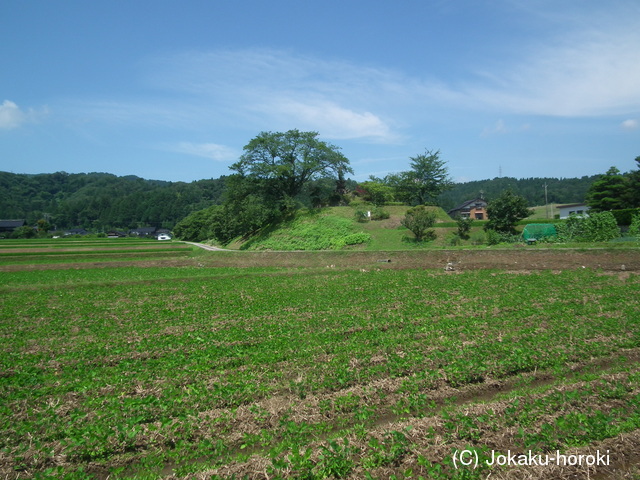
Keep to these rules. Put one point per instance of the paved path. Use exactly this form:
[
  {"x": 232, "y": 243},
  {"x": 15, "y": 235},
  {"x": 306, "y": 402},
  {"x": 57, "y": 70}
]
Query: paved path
[{"x": 209, "y": 247}]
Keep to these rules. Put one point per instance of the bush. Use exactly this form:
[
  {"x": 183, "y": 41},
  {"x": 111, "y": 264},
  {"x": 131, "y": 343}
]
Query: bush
[
  {"x": 634, "y": 228},
  {"x": 455, "y": 240},
  {"x": 356, "y": 238},
  {"x": 625, "y": 216},
  {"x": 379, "y": 214},
  {"x": 597, "y": 227},
  {"x": 308, "y": 233},
  {"x": 376, "y": 192},
  {"x": 478, "y": 238},
  {"x": 464, "y": 227},
  {"x": 419, "y": 220},
  {"x": 24, "y": 232},
  {"x": 494, "y": 238},
  {"x": 601, "y": 227},
  {"x": 571, "y": 229},
  {"x": 506, "y": 211},
  {"x": 361, "y": 216}
]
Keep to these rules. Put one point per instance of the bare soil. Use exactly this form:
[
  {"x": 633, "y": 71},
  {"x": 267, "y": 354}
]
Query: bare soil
[{"x": 512, "y": 260}]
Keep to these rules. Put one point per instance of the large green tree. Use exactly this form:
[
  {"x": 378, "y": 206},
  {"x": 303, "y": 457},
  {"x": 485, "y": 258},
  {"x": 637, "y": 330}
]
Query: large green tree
[
  {"x": 506, "y": 211},
  {"x": 609, "y": 192},
  {"x": 288, "y": 161},
  {"x": 427, "y": 179}
]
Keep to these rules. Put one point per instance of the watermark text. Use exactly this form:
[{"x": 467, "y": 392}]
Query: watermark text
[{"x": 470, "y": 458}]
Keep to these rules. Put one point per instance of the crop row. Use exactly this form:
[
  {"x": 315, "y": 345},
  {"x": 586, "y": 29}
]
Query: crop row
[{"x": 198, "y": 368}]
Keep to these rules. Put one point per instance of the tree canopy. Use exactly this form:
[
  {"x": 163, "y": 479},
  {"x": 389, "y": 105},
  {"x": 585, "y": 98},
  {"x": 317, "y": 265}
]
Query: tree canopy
[
  {"x": 419, "y": 220},
  {"x": 506, "y": 211},
  {"x": 277, "y": 172},
  {"x": 609, "y": 192},
  {"x": 288, "y": 161},
  {"x": 427, "y": 179}
]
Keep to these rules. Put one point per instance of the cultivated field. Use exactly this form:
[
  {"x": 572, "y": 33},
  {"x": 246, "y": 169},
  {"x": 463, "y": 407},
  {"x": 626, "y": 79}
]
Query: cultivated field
[{"x": 150, "y": 360}]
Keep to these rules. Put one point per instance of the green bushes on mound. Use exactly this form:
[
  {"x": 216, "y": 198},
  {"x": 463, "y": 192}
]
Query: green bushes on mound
[{"x": 309, "y": 233}]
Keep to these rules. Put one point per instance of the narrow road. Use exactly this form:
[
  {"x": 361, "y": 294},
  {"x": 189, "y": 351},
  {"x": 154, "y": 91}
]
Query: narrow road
[{"x": 208, "y": 247}]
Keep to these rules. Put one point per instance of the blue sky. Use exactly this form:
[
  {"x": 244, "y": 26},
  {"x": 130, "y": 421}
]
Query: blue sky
[{"x": 173, "y": 90}]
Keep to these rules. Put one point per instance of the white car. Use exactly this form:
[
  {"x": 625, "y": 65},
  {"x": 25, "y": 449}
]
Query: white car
[{"x": 164, "y": 236}]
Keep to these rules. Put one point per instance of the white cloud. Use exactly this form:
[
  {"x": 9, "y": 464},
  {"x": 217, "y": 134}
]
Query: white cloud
[
  {"x": 281, "y": 90},
  {"x": 498, "y": 129},
  {"x": 136, "y": 112},
  {"x": 501, "y": 128},
  {"x": 592, "y": 69},
  {"x": 12, "y": 116},
  {"x": 213, "y": 151},
  {"x": 630, "y": 124},
  {"x": 331, "y": 120},
  {"x": 588, "y": 67}
]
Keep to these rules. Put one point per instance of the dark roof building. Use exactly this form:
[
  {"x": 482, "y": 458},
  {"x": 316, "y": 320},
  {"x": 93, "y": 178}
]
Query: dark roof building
[
  {"x": 10, "y": 225},
  {"x": 76, "y": 231}
]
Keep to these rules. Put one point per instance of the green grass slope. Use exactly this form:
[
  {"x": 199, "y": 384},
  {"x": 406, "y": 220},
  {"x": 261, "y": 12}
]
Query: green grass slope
[{"x": 336, "y": 228}]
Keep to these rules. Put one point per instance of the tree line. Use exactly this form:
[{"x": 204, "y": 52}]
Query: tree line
[
  {"x": 101, "y": 201},
  {"x": 278, "y": 173}
]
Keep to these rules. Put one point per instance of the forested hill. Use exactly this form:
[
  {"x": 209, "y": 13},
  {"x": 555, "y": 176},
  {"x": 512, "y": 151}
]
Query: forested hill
[
  {"x": 98, "y": 201},
  {"x": 559, "y": 190}
]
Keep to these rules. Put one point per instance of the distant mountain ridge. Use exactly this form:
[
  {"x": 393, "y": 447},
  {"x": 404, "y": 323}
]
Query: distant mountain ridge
[
  {"x": 559, "y": 190},
  {"x": 99, "y": 201}
]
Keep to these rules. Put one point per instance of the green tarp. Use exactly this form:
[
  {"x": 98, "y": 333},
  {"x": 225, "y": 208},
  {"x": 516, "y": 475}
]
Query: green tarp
[{"x": 538, "y": 231}]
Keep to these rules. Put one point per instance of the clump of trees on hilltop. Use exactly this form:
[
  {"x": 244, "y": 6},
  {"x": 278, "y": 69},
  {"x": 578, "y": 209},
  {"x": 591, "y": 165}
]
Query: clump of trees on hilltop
[
  {"x": 276, "y": 173},
  {"x": 422, "y": 185}
]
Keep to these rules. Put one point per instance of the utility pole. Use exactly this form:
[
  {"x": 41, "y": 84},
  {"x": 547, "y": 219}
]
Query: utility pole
[{"x": 546, "y": 202}]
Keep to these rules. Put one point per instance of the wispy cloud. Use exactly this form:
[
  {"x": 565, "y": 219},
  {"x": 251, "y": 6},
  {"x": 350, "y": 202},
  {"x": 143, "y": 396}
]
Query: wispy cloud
[
  {"x": 158, "y": 112},
  {"x": 501, "y": 128},
  {"x": 582, "y": 68},
  {"x": 213, "y": 151},
  {"x": 593, "y": 68},
  {"x": 498, "y": 129},
  {"x": 332, "y": 120},
  {"x": 630, "y": 124},
  {"x": 283, "y": 90},
  {"x": 12, "y": 116}
]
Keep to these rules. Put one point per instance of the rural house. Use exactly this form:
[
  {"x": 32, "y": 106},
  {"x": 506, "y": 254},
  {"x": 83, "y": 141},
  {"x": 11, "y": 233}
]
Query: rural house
[
  {"x": 573, "y": 209},
  {"x": 475, "y": 209},
  {"x": 144, "y": 231},
  {"x": 8, "y": 226},
  {"x": 75, "y": 231}
]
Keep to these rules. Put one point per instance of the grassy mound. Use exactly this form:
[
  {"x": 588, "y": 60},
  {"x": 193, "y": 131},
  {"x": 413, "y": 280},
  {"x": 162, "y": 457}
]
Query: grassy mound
[
  {"x": 309, "y": 231},
  {"x": 335, "y": 228}
]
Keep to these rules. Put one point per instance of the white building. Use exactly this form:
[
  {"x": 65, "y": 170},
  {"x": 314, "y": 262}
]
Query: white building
[{"x": 573, "y": 209}]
